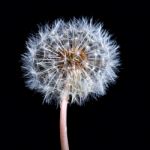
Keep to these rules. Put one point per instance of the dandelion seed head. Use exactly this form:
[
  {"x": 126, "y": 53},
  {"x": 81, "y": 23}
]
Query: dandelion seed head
[{"x": 77, "y": 55}]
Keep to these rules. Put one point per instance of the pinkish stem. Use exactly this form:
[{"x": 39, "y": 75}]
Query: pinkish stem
[{"x": 63, "y": 124}]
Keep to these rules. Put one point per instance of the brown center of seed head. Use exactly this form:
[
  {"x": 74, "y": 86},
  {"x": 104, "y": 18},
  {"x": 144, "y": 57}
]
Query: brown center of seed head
[{"x": 72, "y": 59}]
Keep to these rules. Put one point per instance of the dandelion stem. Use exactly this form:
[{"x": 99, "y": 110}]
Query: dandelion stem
[{"x": 63, "y": 124}]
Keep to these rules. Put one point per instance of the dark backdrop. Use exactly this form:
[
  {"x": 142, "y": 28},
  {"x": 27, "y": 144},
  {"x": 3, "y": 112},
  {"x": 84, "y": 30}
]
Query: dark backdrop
[{"x": 119, "y": 120}]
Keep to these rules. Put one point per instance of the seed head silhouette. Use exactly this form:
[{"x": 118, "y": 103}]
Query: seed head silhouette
[{"x": 76, "y": 58}]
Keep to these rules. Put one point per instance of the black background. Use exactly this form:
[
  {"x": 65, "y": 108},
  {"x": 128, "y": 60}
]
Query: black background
[{"x": 119, "y": 120}]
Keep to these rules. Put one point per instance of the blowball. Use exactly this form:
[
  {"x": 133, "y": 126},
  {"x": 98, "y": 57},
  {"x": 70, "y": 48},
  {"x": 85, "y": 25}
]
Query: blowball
[{"x": 76, "y": 58}]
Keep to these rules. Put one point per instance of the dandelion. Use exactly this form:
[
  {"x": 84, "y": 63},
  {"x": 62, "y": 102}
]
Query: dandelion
[{"x": 68, "y": 61}]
